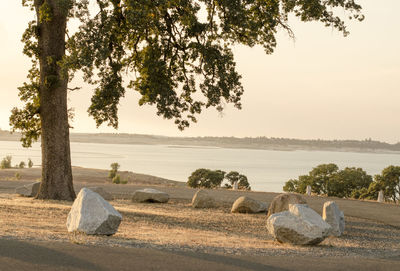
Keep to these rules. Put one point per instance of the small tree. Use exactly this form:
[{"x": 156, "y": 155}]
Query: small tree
[
  {"x": 328, "y": 180},
  {"x": 21, "y": 164},
  {"x": 389, "y": 182},
  {"x": 234, "y": 176},
  {"x": 298, "y": 186},
  {"x": 114, "y": 169},
  {"x": 206, "y": 178},
  {"x": 116, "y": 179},
  {"x": 30, "y": 163},
  {"x": 6, "y": 162},
  {"x": 348, "y": 180},
  {"x": 321, "y": 178}
]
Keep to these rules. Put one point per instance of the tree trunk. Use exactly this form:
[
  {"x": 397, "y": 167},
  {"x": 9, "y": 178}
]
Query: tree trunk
[{"x": 56, "y": 157}]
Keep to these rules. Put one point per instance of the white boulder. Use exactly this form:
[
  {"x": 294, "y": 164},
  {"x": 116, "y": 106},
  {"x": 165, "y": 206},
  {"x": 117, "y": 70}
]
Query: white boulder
[
  {"x": 299, "y": 226},
  {"x": 91, "y": 214},
  {"x": 203, "y": 200},
  {"x": 307, "y": 214},
  {"x": 150, "y": 195},
  {"x": 29, "y": 190},
  {"x": 334, "y": 217},
  {"x": 248, "y": 205},
  {"x": 381, "y": 197},
  {"x": 308, "y": 190}
]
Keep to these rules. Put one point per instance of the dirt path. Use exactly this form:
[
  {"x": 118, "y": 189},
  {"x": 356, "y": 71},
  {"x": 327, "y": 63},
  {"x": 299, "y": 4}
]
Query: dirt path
[{"x": 48, "y": 256}]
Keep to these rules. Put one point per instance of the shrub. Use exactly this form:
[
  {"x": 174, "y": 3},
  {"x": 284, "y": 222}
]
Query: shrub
[
  {"x": 116, "y": 179},
  {"x": 21, "y": 164},
  {"x": 206, "y": 178},
  {"x": 328, "y": 180},
  {"x": 389, "y": 182},
  {"x": 17, "y": 176},
  {"x": 6, "y": 162},
  {"x": 30, "y": 163},
  {"x": 114, "y": 170},
  {"x": 233, "y": 177}
]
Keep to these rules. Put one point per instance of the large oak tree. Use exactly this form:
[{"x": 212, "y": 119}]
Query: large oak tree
[{"x": 175, "y": 49}]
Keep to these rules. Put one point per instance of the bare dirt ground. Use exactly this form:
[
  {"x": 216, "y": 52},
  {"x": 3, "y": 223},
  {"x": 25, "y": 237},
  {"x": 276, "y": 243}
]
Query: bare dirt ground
[{"x": 372, "y": 229}]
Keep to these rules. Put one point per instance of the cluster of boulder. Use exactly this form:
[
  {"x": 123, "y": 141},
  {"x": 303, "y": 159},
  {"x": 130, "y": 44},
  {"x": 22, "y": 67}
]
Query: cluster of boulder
[
  {"x": 244, "y": 204},
  {"x": 290, "y": 220}
]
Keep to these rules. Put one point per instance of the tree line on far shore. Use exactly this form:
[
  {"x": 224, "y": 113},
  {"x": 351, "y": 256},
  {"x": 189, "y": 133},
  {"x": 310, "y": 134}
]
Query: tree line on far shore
[{"x": 351, "y": 182}]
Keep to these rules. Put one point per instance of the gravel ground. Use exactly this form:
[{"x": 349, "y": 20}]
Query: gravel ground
[{"x": 177, "y": 226}]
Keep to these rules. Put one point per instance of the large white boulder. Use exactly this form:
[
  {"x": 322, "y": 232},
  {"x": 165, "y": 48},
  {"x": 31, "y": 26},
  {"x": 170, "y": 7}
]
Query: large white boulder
[
  {"x": 307, "y": 214},
  {"x": 150, "y": 195},
  {"x": 29, "y": 190},
  {"x": 91, "y": 214},
  {"x": 299, "y": 226},
  {"x": 248, "y": 205},
  {"x": 334, "y": 217},
  {"x": 203, "y": 200}
]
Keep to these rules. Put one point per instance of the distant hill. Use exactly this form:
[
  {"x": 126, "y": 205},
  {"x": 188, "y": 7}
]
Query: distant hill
[{"x": 266, "y": 143}]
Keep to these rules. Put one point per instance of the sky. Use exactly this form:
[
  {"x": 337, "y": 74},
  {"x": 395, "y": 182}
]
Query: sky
[{"x": 319, "y": 86}]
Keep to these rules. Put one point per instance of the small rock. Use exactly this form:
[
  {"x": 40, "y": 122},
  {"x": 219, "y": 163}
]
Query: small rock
[
  {"x": 101, "y": 192},
  {"x": 299, "y": 226},
  {"x": 150, "y": 195},
  {"x": 203, "y": 200},
  {"x": 308, "y": 190},
  {"x": 281, "y": 202},
  {"x": 29, "y": 190},
  {"x": 91, "y": 214},
  {"x": 248, "y": 205},
  {"x": 381, "y": 197},
  {"x": 334, "y": 217}
]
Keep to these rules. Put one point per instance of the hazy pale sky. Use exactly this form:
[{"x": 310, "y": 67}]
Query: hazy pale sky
[{"x": 321, "y": 85}]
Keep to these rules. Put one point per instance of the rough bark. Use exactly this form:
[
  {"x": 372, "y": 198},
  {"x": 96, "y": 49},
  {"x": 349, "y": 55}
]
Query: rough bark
[{"x": 56, "y": 158}]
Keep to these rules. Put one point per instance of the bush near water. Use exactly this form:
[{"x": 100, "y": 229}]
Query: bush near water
[
  {"x": 207, "y": 178},
  {"x": 351, "y": 182},
  {"x": 6, "y": 163}
]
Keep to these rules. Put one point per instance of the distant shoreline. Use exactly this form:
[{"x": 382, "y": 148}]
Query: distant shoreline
[{"x": 258, "y": 143}]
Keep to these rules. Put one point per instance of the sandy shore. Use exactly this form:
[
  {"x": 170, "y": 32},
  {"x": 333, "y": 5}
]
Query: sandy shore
[{"x": 372, "y": 229}]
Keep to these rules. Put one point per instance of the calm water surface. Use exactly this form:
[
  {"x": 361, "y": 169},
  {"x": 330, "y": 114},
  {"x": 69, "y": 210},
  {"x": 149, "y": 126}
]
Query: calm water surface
[{"x": 266, "y": 170}]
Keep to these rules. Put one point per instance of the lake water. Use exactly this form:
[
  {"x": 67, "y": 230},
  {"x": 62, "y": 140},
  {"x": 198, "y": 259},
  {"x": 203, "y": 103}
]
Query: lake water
[{"x": 266, "y": 170}]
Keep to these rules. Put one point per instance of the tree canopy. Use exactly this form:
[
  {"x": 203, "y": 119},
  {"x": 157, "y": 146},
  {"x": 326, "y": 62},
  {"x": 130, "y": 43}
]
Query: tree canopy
[
  {"x": 327, "y": 179},
  {"x": 206, "y": 178},
  {"x": 233, "y": 177},
  {"x": 389, "y": 182},
  {"x": 172, "y": 49}
]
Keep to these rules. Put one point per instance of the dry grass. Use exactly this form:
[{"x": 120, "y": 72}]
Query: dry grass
[
  {"x": 178, "y": 226},
  {"x": 88, "y": 175}
]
